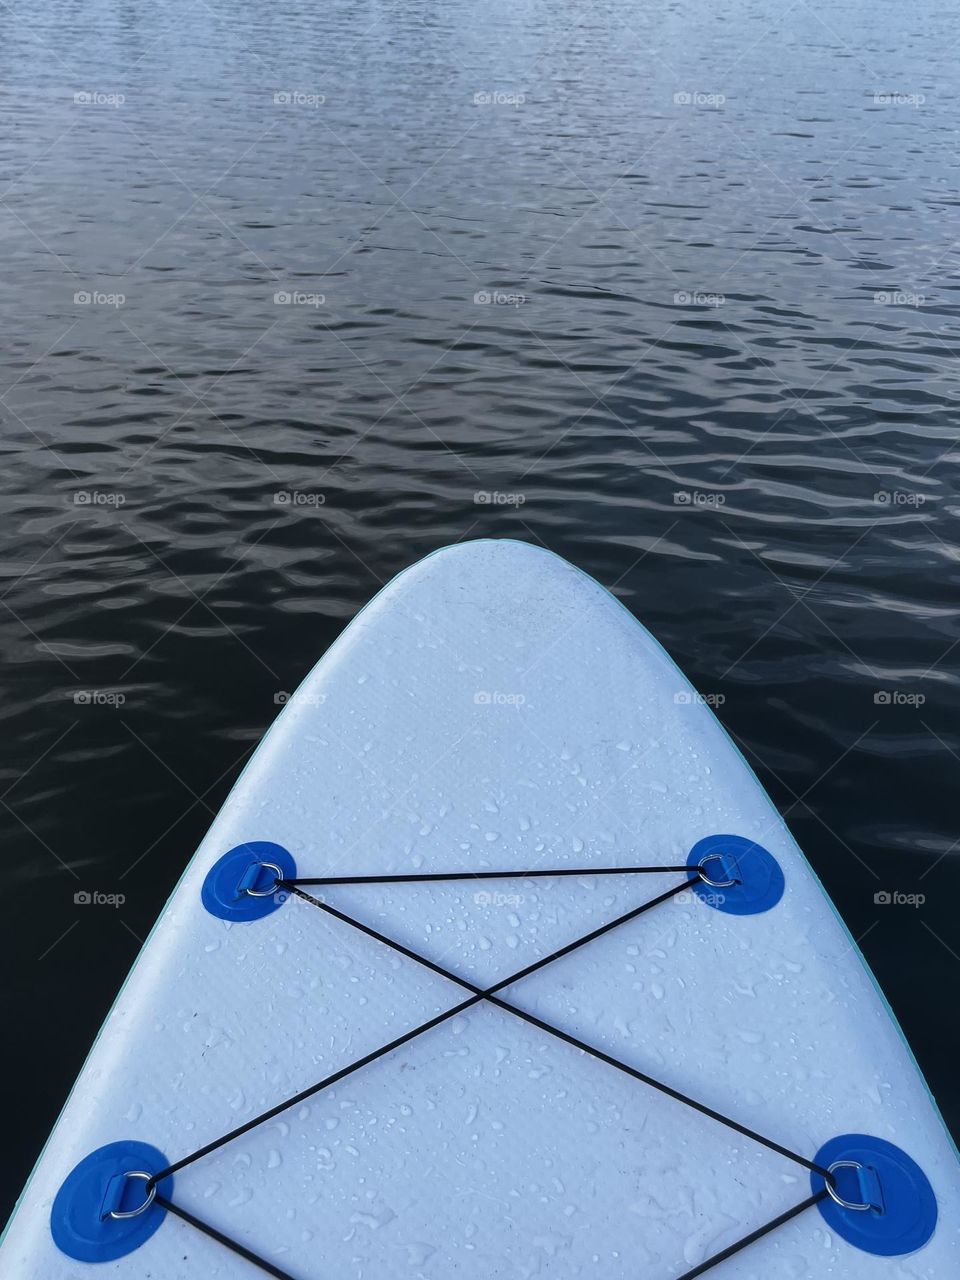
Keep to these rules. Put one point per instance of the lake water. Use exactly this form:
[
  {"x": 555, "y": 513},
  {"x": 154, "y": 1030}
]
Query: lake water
[{"x": 295, "y": 293}]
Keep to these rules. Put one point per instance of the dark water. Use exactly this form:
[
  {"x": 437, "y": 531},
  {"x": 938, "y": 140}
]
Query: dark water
[{"x": 718, "y": 367}]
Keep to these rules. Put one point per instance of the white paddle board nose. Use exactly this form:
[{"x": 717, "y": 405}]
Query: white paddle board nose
[{"x": 497, "y": 960}]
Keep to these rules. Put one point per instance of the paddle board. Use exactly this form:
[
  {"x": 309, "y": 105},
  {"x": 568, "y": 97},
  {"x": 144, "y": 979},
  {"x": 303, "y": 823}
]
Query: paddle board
[{"x": 637, "y": 1041}]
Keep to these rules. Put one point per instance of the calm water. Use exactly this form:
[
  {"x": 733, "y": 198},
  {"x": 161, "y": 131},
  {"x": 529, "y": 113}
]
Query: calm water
[{"x": 673, "y": 285}]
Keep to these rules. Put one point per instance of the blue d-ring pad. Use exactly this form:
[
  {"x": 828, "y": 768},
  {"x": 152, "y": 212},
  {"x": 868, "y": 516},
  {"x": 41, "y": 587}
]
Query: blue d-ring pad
[
  {"x": 761, "y": 880},
  {"x": 78, "y": 1223},
  {"x": 223, "y": 891},
  {"x": 909, "y": 1216}
]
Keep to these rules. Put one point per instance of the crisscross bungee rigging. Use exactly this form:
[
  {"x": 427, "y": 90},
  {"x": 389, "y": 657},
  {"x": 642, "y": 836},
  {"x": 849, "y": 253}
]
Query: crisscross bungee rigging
[{"x": 300, "y": 887}]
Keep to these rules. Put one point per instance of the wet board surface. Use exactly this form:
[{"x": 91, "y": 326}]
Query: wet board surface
[{"x": 495, "y": 709}]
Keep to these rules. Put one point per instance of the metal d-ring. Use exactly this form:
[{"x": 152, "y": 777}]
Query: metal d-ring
[
  {"x": 151, "y": 1192},
  {"x": 265, "y": 893},
  {"x": 833, "y": 1194},
  {"x": 714, "y": 884}
]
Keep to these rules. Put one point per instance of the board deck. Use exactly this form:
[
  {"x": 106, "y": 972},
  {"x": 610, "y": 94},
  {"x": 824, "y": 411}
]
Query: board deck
[{"x": 494, "y": 708}]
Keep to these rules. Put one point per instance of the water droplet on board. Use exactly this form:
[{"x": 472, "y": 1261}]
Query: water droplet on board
[{"x": 418, "y": 1253}]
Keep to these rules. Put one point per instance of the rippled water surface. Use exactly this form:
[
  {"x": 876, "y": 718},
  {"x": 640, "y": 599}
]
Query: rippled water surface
[{"x": 668, "y": 287}]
